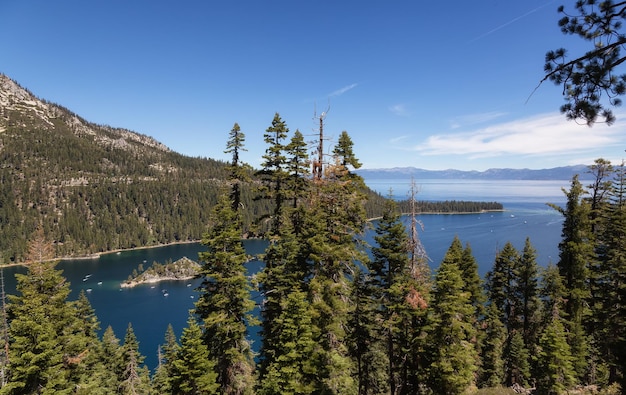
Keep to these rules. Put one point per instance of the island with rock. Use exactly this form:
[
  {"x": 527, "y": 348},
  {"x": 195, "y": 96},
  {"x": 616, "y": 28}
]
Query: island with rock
[{"x": 182, "y": 269}]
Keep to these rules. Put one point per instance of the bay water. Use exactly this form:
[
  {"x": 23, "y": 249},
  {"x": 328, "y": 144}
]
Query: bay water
[{"x": 149, "y": 311}]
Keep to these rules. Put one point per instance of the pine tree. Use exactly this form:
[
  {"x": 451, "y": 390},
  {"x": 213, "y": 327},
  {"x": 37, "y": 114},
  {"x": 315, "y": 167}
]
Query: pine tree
[
  {"x": 452, "y": 354},
  {"x": 238, "y": 171},
  {"x": 297, "y": 168},
  {"x": 293, "y": 370},
  {"x": 85, "y": 349},
  {"x": 334, "y": 220},
  {"x": 224, "y": 304},
  {"x": 492, "y": 367},
  {"x": 517, "y": 359},
  {"x": 575, "y": 253},
  {"x": 344, "y": 151},
  {"x": 193, "y": 370},
  {"x": 366, "y": 338},
  {"x": 41, "y": 323},
  {"x": 167, "y": 353},
  {"x": 135, "y": 377},
  {"x": 473, "y": 282},
  {"x": 555, "y": 368},
  {"x": 402, "y": 301},
  {"x": 527, "y": 292},
  {"x": 281, "y": 276},
  {"x": 111, "y": 357},
  {"x": 501, "y": 283},
  {"x": 273, "y": 174},
  {"x": 609, "y": 282}
]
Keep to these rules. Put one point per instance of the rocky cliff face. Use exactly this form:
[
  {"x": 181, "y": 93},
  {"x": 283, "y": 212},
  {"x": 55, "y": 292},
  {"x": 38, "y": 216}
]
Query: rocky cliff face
[{"x": 15, "y": 98}]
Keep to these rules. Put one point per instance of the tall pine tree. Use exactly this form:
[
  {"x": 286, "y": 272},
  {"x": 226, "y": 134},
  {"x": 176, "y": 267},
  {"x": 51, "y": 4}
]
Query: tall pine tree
[
  {"x": 224, "y": 305},
  {"x": 453, "y": 356}
]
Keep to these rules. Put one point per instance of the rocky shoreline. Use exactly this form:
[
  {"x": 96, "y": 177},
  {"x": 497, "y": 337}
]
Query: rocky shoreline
[{"x": 183, "y": 269}]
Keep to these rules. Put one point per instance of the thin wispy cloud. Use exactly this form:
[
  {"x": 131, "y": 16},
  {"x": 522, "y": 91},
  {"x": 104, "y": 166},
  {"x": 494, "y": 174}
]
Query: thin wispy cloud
[
  {"x": 396, "y": 140},
  {"x": 400, "y": 110},
  {"x": 502, "y": 26},
  {"x": 343, "y": 90},
  {"x": 547, "y": 134},
  {"x": 475, "y": 119}
]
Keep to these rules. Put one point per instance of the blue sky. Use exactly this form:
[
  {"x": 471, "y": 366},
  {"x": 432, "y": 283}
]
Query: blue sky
[{"x": 434, "y": 85}]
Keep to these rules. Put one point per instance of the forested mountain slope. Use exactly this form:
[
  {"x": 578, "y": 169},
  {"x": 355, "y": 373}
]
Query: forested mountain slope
[
  {"x": 91, "y": 187},
  {"x": 95, "y": 188}
]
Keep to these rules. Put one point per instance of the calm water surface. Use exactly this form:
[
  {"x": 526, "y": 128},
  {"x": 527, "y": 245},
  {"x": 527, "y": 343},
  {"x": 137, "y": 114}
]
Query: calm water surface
[{"x": 149, "y": 311}]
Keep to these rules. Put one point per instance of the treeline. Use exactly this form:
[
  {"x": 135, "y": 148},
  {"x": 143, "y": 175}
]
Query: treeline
[{"x": 449, "y": 206}]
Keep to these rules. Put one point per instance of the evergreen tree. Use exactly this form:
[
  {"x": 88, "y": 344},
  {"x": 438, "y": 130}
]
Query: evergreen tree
[
  {"x": 224, "y": 303},
  {"x": 527, "y": 292},
  {"x": 501, "y": 284},
  {"x": 273, "y": 174},
  {"x": 452, "y": 355},
  {"x": 575, "y": 254},
  {"x": 111, "y": 358},
  {"x": 42, "y": 322},
  {"x": 135, "y": 377},
  {"x": 609, "y": 282},
  {"x": 366, "y": 338},
  {"x": 492, "y": 367},
  {"x": 517, "y": 357},
  {"x": 238, "y": 171},
  {"x": 167, "y": 354},
  {"x": 332, "y": 224},
  {"x": 85, "y": 349},
  {"x": 402, "y": 301},
  {"x": 473, "y": 282},
  {"x": 281, "y": 276},
  {"x": 297, "y": 167},
  {"x": 555, "y": 368},
  {"x": 344, "y": 151},
  {"x": 293, "y": 370},
  {"x": 193, "y": 370}
]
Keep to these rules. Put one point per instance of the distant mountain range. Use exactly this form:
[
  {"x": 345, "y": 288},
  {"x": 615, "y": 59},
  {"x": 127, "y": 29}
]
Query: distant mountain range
[{"x": 556, "y": 173}]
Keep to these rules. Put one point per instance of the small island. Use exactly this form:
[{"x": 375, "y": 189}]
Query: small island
[{"x": 182, "y": 269}]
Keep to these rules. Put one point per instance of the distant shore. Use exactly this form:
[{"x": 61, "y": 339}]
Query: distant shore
[{"x": 97, "y": 255}]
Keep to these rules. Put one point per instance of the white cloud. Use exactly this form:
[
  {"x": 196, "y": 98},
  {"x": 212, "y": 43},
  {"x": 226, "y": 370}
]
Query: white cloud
[
  {"x": 395, "y": 140},
  {"x": 343, "y": 90},
  {"x": 547, "y": 134},
  {"x": 399, "y": 109}
]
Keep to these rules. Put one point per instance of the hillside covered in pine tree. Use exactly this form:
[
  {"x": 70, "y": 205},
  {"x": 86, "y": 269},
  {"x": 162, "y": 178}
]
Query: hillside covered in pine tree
[{"x": 96, "y": 188}]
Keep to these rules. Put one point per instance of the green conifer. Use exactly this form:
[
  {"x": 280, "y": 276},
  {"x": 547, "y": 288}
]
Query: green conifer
[
  {"x": 293, "y": 370},
  {"x": 193, "y": 370},
  {"x": 224, "y": 304},
  {"x": 453, "y": 356}
]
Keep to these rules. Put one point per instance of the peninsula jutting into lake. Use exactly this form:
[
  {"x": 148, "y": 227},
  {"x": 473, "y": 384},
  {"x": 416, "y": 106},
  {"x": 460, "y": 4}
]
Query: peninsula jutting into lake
[{"x": 182, "y": 269}]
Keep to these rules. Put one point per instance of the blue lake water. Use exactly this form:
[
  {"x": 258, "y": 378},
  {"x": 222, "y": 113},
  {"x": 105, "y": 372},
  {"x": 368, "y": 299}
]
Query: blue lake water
[{"x": 149, "y": 311}]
